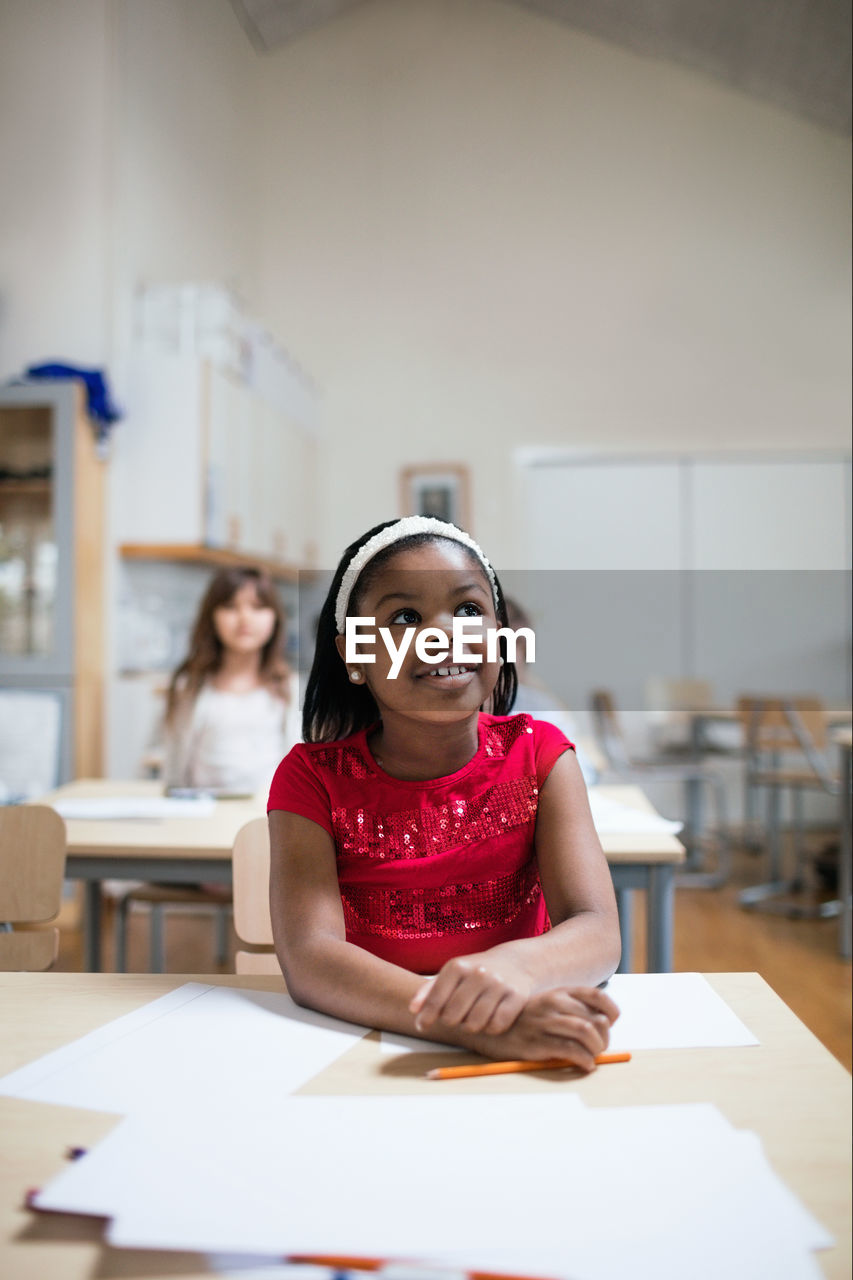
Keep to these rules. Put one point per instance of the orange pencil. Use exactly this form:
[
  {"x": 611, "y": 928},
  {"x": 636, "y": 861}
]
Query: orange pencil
[
  {"x": 338, "y": 1263},
  {"x": 506, "y": 1068}
]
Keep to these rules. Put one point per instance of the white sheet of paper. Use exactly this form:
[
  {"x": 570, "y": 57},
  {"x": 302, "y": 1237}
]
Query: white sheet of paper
[
  {"x": 658, "y": 1011},
  {"x": 198, "y": 1042},
  {"x": 531, "y": 1185},
  {"x": 612, "y": 818},
  {"x": 672, "y": 1011},
  {"x": 120, "y": 808}
]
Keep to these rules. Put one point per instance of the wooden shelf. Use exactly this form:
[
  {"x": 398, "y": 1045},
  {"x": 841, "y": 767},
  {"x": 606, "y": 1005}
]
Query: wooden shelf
[{"x": 213, "y": 557}]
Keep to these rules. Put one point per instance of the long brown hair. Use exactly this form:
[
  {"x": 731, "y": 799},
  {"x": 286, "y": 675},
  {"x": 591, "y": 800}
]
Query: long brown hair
[{"x": 205, "y": 654}]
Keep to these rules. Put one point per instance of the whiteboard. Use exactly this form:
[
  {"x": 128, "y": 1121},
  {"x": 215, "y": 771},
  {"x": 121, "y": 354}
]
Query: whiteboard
[
  {"x": 603, "y": 515},
  {"x": 757, "y": 514},
  {"x": 730, "y": 569}
]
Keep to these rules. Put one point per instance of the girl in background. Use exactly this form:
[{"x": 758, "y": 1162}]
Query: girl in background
[
  {"x": 230, "y": 711},
  {"x": 435, "y": 869}
]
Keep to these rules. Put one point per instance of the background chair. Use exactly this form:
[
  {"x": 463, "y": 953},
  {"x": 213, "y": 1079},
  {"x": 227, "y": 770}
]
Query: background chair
[
  {"x": 160, "y": 899},
  {"x": 785, "y": 745},
  {"x": 252, "y": 924},
  {"x": 32, "y": 866},
  {"x": 669, "y": 703},
  {"x": 693, "y": 773}
]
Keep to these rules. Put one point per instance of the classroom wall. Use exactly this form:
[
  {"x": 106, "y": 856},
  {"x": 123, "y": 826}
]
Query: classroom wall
[
  {"x": 128, "y": 156},
  {"x": 54, "y": 192},
  {"x": 186, "y": 106},
  {"x": 481, "y": 228},
  {"x": 473, "y": 226}
]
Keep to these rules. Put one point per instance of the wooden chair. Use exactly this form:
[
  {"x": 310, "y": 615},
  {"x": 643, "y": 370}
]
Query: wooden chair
[
  {"x": 693, "y": 773},
  {"x": 252, "y": 923},
  {"x": 785, "y": 745},
  {"x": 32, "y": 867}
]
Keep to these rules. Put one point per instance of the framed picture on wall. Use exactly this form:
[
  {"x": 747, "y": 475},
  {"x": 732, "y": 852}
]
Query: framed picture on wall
[{"x": 438, "y": 489}]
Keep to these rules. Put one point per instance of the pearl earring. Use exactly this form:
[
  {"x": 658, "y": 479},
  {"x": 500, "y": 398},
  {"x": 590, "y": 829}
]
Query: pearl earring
[{"x": 356, "y": 676}]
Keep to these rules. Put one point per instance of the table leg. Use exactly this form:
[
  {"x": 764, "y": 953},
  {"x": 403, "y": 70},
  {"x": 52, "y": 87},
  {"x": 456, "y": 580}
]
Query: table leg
[
  {"x": 92, "y": 927},
  {"x": 624, "y": 905},
  {"x": 845, "y": 857},
  {"x": 660, "y": 909},
  {"x": 695, "y": 821}
]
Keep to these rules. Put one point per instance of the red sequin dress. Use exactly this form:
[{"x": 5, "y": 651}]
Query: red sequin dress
[{"x": 436, "y": 869}]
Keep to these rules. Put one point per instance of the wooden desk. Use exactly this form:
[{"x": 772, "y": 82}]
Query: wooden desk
[
  {"x": 168, "y": 850},
  {"x": 199, "y": 849},
  {"x": 789, "y": 1090}
]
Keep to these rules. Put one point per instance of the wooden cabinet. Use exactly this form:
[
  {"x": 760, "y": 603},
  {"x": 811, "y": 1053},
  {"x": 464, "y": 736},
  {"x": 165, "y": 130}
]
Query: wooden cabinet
[
  {"x": 209, "y": 466},
  {"x": 52, "y": 487}
]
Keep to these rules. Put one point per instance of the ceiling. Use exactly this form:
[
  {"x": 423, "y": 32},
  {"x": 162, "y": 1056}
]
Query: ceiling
[{"x": 793, "y": 53}]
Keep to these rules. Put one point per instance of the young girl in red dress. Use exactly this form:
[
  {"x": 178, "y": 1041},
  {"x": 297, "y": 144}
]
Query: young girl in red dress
[{"x": 435, "y": 869}]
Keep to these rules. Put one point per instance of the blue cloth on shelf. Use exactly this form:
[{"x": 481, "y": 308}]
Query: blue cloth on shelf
[{"x": 99, "y": 402}]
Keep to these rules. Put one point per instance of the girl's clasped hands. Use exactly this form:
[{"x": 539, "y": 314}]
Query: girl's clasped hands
[{"x": 494, "y": 1000}]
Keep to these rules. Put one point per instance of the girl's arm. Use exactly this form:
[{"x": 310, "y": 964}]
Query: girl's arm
[
  {"x": 324, "y": 971},
  {"x": 489, "y": 990}
]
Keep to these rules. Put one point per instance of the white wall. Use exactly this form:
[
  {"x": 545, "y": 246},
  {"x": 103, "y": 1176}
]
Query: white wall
[
  {"x": 186, "y": 112},
  {"x": 480, "y": 228},
  {"x": 54, "y": 162},
  {"x": 473, "y": 226},
  {"x": 128, "y": 158}
]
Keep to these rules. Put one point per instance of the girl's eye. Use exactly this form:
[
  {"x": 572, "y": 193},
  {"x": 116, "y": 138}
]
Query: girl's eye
[
  {"x": 406, "y": 618},
  {"x": 469, "y": 610}
]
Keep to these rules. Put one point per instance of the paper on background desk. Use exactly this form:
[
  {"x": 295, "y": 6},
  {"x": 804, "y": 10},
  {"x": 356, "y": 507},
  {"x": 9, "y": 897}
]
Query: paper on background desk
[
  {"x": 199, "y": 1042},
  {"x": 658, "y": 1011},
  {"x": 611, "y": 817},
  {"x": 444, "y": 1179},
  {"x": 122, "y": 808}
]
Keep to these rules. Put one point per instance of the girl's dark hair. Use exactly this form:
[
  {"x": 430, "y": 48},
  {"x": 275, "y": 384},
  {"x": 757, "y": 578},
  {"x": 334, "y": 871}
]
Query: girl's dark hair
[
  {"x": 334, "y": 707},
  {"x": 205, "y": 653}
]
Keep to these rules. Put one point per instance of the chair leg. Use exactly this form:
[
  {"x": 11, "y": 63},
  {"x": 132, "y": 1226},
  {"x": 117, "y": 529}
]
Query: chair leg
[
  {"x": 122, "y": 909},
  {"x": 798, "y": 883},
  {"x": 722, "y": 844},
  {"x": 774, "y": 896},
  {"x": 157, "y": 956},
  {"x": 759, "y": 894},
  {"x": 221, "y": 922}
]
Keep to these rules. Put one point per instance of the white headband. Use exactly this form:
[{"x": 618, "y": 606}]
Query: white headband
[{"x": 393, "y": 533}]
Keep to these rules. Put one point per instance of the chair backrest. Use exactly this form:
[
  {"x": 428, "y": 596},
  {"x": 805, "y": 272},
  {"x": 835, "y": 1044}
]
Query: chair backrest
[
  {"x": 665, "y": 694},
  {"x": 252, "y": 923},
  {"x": 608, "y": 731},
  {"x": 778, "y": 726},
  {"x": 773, "y": 723},
  {"x": 32, "y": 867},
  {"x": 669, "y": 703}
]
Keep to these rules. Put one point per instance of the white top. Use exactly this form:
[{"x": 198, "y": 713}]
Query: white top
[{"x": 230, "y": 741}]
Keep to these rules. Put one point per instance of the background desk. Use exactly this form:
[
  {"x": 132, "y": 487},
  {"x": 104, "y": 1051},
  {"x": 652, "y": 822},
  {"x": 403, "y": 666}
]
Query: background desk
[
  {"x": 199, "y": 849},
  {"x": 789, "y": 1090}
]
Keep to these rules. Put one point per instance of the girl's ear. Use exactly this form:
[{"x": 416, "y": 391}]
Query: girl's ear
[{"x": 341, "y": 646}]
